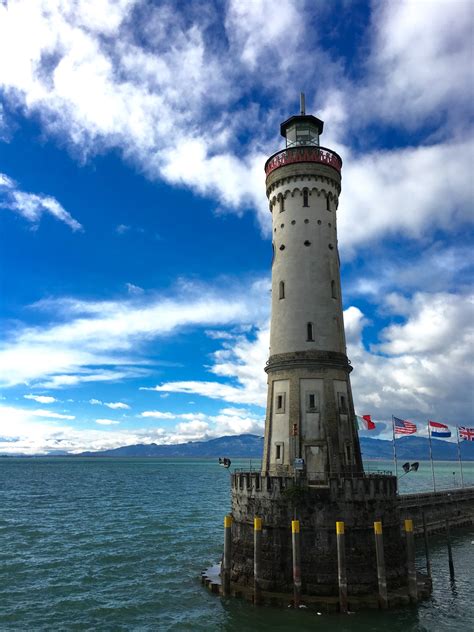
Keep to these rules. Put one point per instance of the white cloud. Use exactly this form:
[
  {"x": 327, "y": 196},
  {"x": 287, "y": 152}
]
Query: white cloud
[
  {"x": 116, "y": 405},
  {"x": 157, "y": 414},
  {"x": 421, "y": 366},
  {"x": 135, "y": 97},
  {"x": 403, "y": 192},
  {"x": 95, "y": 402},
  {"x": 421, "y": 61},
  {"x": 21, "y": 432},
  {"x": 240, "y": 359},
  {"x": 101, "y": 341},
  {"x": 49, "y": 414},
  {"x": 41, "y": 399},
  {"x": 106, "y": 422},
  {"x": 31, "y": 206}
]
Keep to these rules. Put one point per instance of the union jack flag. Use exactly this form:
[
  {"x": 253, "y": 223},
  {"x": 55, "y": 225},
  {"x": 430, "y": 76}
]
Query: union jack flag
[
  {"x": 466, "y": 434},
  {"x": 403, "y": 427}
]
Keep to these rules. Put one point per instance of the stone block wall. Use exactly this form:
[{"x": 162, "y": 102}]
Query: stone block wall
[{"x": 358, "y": 501}]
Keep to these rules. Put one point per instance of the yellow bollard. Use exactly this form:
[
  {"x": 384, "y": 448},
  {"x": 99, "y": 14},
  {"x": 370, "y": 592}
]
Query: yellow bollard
[{"x": 341, "y": 566}]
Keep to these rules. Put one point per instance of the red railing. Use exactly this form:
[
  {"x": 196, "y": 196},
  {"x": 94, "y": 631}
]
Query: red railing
[{"x": 321, "y": 155}]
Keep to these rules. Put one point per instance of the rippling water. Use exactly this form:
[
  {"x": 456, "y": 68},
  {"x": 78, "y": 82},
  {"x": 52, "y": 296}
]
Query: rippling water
[{"x": 118, "y": 544}]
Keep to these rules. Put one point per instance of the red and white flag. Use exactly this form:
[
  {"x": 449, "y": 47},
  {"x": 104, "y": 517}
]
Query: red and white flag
[{"x": 365, "y": 422}]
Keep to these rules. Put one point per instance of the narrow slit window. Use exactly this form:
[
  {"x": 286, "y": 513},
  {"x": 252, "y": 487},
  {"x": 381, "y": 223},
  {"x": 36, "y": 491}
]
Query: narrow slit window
[
  {"x": 333, "y": 289},
  {"x": 328, "y": 207},
  {"x": 282, "y": 289},
  {"x": 342, "y": 404},
  {"x": 305, "y": 197},
  {"x": 309, "y": 332},
  {"x": 282, "y": 204},
  {"x": 278, "y": 451},
  {"x": 280, "y": 403},
  {"x": 312, "y": 402}
]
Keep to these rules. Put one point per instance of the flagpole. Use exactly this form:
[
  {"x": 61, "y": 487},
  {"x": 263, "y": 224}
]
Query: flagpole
[
  {"x": 431, "y": 458},
  {"x": 394, "y": 449},
  {"x": 459, "y": 457}
]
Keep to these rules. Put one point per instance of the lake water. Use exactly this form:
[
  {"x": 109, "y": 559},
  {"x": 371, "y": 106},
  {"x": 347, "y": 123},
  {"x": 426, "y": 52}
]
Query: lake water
[{"x": 119, "y": 544}]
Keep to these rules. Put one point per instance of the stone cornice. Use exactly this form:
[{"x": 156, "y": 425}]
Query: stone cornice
[{"x": 308, "y": 359}]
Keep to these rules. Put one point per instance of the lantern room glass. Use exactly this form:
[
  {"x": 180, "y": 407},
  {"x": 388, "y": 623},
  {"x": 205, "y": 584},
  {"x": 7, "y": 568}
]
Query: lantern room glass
[{"x": 302, "y": 134}]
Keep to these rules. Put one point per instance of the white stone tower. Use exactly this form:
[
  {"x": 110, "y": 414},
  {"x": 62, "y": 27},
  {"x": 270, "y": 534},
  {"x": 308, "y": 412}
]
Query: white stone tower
[{"x": 310, "y": 413}]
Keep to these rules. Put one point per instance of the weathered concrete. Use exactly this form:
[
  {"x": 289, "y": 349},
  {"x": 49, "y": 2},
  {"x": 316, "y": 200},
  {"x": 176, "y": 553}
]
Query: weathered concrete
[
  {"x": 358, "y": 501},
  {"x": 456, "y": 504}
]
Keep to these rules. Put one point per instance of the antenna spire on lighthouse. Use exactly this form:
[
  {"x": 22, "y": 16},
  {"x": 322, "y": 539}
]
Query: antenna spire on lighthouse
[{"x": 302, "y": 104}]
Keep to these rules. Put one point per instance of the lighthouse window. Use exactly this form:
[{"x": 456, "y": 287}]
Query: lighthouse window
[
  {"x": 306, "y": 221},
  {"x": 309, "y": 332},
  {"x": 319, "y": 222},
  {"x": 293, "y": 222},
  {"x": 331, "y": 247},
  {"x": 328, "y": 208},
  {"x": 282, "y": 247},
  {"x": 312, "y": 402},
  {"x": 333, "y": 289},
  {"x": 282, "y": 204},
  {"x": 282, "y": 289},
  {"x": 342, "y": 403},
  {"x": 307, "y": 243},
  {"x": 305, "y": 197},
  {"x": 280, "y": 403},
  {"x": 348, "y": 454},
  {"x": 279, "y": 452}
]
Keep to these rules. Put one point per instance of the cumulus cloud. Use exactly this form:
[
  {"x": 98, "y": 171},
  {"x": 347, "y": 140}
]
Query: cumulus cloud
[
  {"x": 241, "y": 360},
  {"x": 117, "y": 405},
  {"x": 104, "y": 340},
  {"x": 32, "y": 206},
  {"x": 420, "y": 366},
  {"x": 52, "y": 59},
  {"x": 22, "y": 433},
  {"x": 421, "y": 61},
  {"x": 383, "y": 192},
  {"x": 41, "y": 399}
]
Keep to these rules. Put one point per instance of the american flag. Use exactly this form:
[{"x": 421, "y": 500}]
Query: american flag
[
  {"x": 403, "y": 427},
  {"x": 466, "y": 434}
]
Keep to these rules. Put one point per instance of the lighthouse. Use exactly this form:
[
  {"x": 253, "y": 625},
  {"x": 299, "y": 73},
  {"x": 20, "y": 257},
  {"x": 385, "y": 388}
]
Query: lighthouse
[
  {"x": 310, "y": 524},
  {"x": 310, "y": 422}
]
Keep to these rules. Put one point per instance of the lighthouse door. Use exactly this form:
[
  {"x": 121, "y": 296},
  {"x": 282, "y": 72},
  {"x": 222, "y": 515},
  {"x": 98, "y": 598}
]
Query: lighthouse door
[{"x": 316, "y": 463}]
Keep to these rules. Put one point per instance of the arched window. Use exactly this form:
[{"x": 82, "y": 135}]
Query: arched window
[
  {"x": 333, "y": 289},
  {"x": 309, "y": 332},
  {"x": 282, "y": 203},
  {"x": 305, "y": 197},
  {"x": 328, "y": 208},
  {"x": 282, "y": 289}
]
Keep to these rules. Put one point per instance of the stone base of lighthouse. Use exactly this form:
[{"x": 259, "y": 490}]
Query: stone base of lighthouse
[{"x": 358, "y": 501}]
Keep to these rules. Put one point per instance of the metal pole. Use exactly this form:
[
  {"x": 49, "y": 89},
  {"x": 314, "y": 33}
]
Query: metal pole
[
  {"x": 227, "y": 555},
  {"x": 431, "y": 458},
  {"x": 459, "y": 457},
  {"x": 427, "y": 550},
  {"x": 257, "y": 556},
  {"x": 381, "y": 575},
  {"x": 394, "y": 450},
  {"x": 450, "y": 552},
  {"x": 341, "y": 566},
  {"x": 410, "y": 540},
  {"x": 295, "y": 542}
]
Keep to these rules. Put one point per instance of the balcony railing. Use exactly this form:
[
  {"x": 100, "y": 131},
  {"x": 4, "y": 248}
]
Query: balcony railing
[{"x": 307, "y": 153}]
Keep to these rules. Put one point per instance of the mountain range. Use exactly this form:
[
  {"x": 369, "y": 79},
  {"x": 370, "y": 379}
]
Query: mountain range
[{"x": 251, "y": 446}]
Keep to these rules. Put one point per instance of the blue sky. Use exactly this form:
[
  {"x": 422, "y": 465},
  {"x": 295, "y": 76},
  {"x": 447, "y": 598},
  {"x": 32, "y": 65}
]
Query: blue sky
[{"x": 135, "y": 232}]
